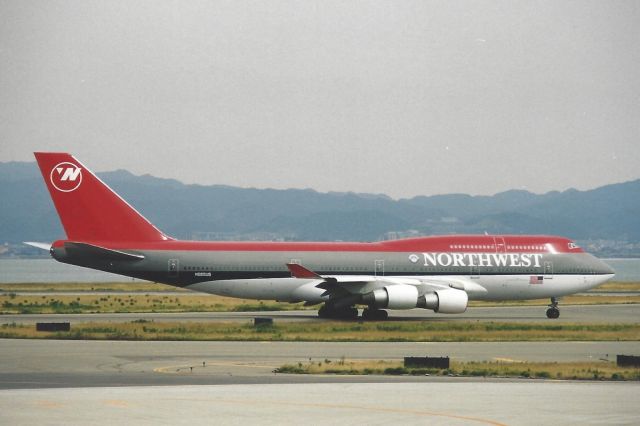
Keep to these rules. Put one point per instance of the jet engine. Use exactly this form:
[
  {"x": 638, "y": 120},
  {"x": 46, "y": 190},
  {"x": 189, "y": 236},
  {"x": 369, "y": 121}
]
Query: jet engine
[
  {"x": 449, "y": 301},
  {"x": 400, "y": 296},
  {"x": 403, "y": 296}
]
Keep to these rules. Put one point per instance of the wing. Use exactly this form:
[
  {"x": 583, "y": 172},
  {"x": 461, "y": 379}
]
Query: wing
[
  {"x": 434, "y": 283},
  {"x": 351, "y": 287}
]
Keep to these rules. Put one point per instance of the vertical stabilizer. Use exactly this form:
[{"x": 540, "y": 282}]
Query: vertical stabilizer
[{"x": 89, "y": 210}]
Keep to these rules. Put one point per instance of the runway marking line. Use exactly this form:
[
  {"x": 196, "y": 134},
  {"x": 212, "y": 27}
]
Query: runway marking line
[
  {"x": 116, "y": 403},
  {"x": 349, "y": 407},
  {"x": 178, "y": 369},
  {"x": 509, "y": 360},
  {"x": 48, "y": 404}
]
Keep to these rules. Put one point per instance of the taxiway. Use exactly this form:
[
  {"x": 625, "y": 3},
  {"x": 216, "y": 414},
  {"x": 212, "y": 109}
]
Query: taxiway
[
  {"x": 80, "y": 382},
  {"x": 574, "y": 313}
]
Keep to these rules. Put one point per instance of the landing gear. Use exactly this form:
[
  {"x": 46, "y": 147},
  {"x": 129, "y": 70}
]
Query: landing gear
[
  {"x": 553, "y": 312},
  {"x": 329, "y": 311},
  {"x": 370, "y": 314},
  {"x": 351, "y": 312}
]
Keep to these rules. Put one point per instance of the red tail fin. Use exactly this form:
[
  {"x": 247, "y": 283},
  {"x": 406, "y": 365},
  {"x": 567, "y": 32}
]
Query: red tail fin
[{"x": 89, "y": 210}]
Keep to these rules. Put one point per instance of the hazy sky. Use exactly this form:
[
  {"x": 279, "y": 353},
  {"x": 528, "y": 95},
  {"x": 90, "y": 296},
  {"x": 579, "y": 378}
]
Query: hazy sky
[{"x": 403, "y": 98}]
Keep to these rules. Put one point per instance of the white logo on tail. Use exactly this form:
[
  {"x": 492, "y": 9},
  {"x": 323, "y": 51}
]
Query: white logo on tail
[{"x": 66, "y": 177}]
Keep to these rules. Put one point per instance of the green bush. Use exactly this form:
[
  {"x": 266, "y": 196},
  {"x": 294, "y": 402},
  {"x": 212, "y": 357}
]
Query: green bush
[{"x": 396, "y": 371}]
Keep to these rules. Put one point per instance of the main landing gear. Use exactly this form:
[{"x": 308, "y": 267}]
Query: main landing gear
[
  {"x": 351, "y": 313},
  {"x": 553, "y": 312},
  {"x": 370, "y": 314},
  {"x": 330, "y": 311}
]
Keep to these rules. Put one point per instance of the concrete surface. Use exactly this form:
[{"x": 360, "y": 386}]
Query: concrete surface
[
  {"x": 433, "y": 403},
  {"x": 583, "y": 314}
]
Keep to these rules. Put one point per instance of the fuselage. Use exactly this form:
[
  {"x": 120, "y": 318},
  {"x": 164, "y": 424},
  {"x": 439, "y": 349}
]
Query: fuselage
[
  {"x": 439, "y": 273},
  {"x": 508, "y": 267}
]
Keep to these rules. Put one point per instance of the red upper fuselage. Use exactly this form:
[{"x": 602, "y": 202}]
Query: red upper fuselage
[{"x": 441, "y": 244}]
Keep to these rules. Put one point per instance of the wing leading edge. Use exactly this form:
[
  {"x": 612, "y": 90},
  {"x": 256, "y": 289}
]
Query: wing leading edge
[{"x": 342, "y": 286}]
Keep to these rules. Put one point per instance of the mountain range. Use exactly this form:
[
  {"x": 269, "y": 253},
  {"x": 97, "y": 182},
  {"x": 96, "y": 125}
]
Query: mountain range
[{"x": 610, "y": 212}]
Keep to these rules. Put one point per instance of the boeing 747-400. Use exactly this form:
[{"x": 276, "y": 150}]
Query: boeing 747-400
[{"x": 441, "y": 273}]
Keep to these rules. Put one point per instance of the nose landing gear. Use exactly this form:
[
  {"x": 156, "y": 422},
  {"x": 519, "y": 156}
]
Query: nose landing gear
[{"x": 553, "y": 312}]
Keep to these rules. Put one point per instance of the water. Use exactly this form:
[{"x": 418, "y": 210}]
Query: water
[
  {"x": 48, "y": 270},
  {"x": 626, "y": 269}
]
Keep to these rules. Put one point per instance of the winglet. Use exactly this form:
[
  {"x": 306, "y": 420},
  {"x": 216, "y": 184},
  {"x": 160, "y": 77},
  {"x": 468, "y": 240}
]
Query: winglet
[{"x": 299, "y": 271}]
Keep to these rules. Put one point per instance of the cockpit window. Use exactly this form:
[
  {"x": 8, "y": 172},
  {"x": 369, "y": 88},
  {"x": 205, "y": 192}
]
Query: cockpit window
[{"x": 573, "y": 246}]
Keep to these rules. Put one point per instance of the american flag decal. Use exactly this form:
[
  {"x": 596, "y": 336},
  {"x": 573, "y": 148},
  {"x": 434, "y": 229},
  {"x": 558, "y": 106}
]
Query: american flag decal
[{"x": 536, "y": 279}]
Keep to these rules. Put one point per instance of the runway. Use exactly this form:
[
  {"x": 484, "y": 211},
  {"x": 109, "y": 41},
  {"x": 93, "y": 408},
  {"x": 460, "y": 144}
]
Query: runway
[
  {"x": 576, "y": 314},
  {"x": 71, "y": 363},
  {"x": 167, "y": 382},
  {"x": 77, "y": 382},
  {"x": 434, "y": 403}
]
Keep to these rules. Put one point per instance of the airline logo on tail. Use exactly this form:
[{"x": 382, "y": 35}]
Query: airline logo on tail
[{"x": 66, "y": 177}]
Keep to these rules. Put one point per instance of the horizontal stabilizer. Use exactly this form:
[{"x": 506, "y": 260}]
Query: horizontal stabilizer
[
  {"x": 42, "y": 246},
  {"x": 90, "y": 250}
]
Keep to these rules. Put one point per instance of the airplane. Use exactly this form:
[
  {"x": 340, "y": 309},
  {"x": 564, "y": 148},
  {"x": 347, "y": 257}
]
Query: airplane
[{"x": 439, "y": 273}]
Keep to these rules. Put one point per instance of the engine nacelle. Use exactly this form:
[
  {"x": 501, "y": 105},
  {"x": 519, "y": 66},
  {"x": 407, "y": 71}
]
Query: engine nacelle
[
  {"x": 400, "y": 296},
  {"x": 449, "y": 301}
]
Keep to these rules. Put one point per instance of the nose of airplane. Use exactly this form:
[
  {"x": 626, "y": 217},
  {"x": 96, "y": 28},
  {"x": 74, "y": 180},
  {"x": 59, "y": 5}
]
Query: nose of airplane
[
  {"x": 604, "y": 269},
  {"x": 600, "y": 273}
]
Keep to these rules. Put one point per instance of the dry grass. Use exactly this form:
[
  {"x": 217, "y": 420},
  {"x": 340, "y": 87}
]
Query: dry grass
[
  {"x": 131, "y": 286},
  {"x": 11, "y": 303},
  {"x": 596, "y": 370},
  {"x": 400, "y": 331},
  {"x": 564, "y": 301},
  {"x": 133, "y": 302},
  {"x": 144, "y": 286},
  {"x": 619, "y": 286},
  {"x": 139, "y": 299}
]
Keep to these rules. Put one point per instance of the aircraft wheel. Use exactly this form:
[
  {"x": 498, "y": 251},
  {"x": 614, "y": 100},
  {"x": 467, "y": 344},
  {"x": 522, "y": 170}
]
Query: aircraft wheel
[
  {"x": 382, "y": 315},
  {"x": 553, "y": 313},
  {"x": 352, "y": 312},
  {"x": 323, "y": 312},
  {"x": 349, "y": 312},
  {"x": 374, "y": 315}
]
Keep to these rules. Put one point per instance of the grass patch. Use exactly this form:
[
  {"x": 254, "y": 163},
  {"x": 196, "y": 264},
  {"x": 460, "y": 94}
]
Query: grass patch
[
  {"x": 147, "y": 297},
  {"x": 138, "y": 286},
  {"x": 11, "y": 303},
  {"x": 597, "y": 370},
  {"x": 614, "y": 286},
  {"x": 330, "y": 331},
  {"x": 595, "y": 299},
  {"x": 130, "y": 286}
]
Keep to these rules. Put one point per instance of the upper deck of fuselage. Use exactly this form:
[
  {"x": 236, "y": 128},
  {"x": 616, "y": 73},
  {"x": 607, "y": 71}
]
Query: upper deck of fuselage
[{"x": 431, "y": 244}]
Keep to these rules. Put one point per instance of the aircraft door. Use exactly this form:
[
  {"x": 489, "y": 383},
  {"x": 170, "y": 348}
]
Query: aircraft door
[
  {"x": 548, "y": 270},
  {"x": 378, "y": 268},
  {"x": 475, "y": 272},
  {"x": 174, "y": 266},
  {"x": 501, "y": 247}
]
